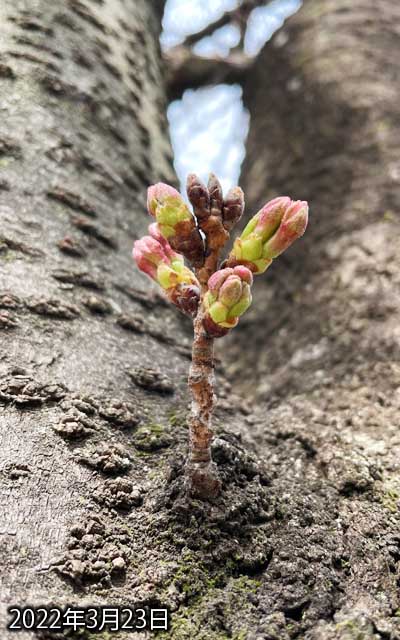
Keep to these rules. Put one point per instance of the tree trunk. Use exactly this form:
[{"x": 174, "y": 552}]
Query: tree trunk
[
  {"x": 86, "y": 352},
  {"x": 324, "y": 327},
  {"x": 94, "y": 367}
]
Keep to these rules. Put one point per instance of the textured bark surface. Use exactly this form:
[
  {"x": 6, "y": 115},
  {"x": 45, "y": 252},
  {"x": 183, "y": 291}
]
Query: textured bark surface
[
  {"x": 93, "y": 366},
  {"x": 93, "y": 390},
  {"x": 84, "y": 355},
  {"x": 324, "y": 328}
]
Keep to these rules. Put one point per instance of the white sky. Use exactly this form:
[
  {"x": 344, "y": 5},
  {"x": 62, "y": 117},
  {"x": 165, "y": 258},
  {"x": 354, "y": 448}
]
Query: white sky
[{"x": 209, "y": 125}]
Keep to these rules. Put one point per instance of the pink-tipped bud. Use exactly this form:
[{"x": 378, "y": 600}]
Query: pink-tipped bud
[
  {"x": 270, "y": 216},
  {"x": 244, "y": 274},
  {"x": 149, "y": 268},
  {"x": 227, "y": 298},
  {"x": 156, "y": 195},
  {"x": 270, "y": 232},
  {"x": 148, "y": 254},
  {"x": 176, "y": 222},
  {"x": 293, "y": 225},
  {"x": 230, "y": 291},
  {"x": 154, "y": 256},
  {"x": 217, "y": 279}
]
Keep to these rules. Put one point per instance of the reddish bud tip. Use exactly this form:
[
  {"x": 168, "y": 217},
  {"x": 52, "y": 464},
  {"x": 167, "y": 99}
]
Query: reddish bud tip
[{"x": 157, "y": 193}]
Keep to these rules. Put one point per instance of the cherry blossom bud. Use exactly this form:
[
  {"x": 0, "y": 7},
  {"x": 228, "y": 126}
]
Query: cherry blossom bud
[
  {"x": 270, "y": 232},
  {"x": 148, "y": 254},
  {"x": 155, "y": 257},
  {"x": 227, "y": 298},
  {"x": 175, "y": 222},
  {"x": 155, "y": 233},
  {"x": 292, "y": 226},
  {"x": 198, "y": 196},
  {"x": 233, "y": 207}
]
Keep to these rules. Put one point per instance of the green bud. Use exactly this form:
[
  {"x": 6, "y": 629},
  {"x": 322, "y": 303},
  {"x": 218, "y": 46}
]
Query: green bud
[
  {"x": 270, "y": 232},
  {"x": 251, "y": 248},
  {"x": 250, "y": 226},
  {"x": 242, "y": 305},
  {"x": 227, "y": 298},
  {"x": 218, "y": 312},
  {"x": 176, "y": 222},
  {"x": 166, "y": 276}
]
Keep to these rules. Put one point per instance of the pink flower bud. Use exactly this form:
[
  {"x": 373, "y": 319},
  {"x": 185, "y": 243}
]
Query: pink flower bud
[
  {"x": 217, "y": 279},
  {"x": 175, "y": 221},
  {"x": 230, "y": 291},
  {"x": 270, "y": 216},
  {"x": 244, "y": 274},
  {"x": 293, "y": 225},
  {"x": 149, "y": 268},
  {"x": 154, "y": 256},
  {"x": 270, "y": 232},
  {"x": 148, "y": 254},
  {"x": 157, "y": 193},
  {"x": 227, "y": 298}
]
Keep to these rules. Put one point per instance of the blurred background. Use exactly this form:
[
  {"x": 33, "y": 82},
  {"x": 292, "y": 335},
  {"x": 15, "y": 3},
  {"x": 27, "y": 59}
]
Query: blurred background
[{"x": 211, "y": 123}]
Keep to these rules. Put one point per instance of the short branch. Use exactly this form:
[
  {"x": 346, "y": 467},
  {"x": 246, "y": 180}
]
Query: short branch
[
  {"x": 187, "y": 70},
  {"x": 239, "y": 14}
]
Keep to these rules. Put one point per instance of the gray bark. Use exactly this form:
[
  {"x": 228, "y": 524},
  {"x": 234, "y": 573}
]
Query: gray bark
[
  {"x": 83, "y": 132},
  {"x": 324, "y": 328}
]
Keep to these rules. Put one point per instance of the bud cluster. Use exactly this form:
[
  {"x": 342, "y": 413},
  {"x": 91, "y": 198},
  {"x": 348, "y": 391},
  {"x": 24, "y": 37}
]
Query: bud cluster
[
  {"x": 214, "y": 297},
  {"x": 216, "y": 216},
  {"x": 175, "y": 222},
  {"x": 199, "y": 236},
  {"x": 227, "y": 298},
  {"x": 155, "y": 257},
  {"x": 270, "y": 232}
]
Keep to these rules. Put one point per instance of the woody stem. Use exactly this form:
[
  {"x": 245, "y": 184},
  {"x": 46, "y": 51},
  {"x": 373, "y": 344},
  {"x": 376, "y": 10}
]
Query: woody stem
[{"x": 201, "y": 473}]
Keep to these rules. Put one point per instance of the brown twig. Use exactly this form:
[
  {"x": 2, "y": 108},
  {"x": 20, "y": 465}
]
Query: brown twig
[
  {"x": 201, "y": 473},
  {"x": 208, "y": 207},
  {"x": 239, "y": 14}
]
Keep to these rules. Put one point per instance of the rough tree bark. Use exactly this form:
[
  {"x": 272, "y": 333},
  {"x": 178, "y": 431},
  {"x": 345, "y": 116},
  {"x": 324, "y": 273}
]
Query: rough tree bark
[
  {"x": 83, "y": 131},
  {"x": 325, "y": 329},
  {"x": 304, "y": 544}
]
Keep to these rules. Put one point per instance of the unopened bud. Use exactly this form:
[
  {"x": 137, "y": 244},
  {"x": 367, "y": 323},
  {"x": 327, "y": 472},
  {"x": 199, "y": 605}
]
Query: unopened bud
[
  {"x": 216, "y": 195},
  {"x": 198, "y": 196},
  {"x": 156, "y": 195},
  {"x": 270, "y": 232},
  {"x": 148, "y": 255},
  {"x": 292, "y": 226},
  {"x": 210, "y": 216},
  {"x": 227, "y": 298},
  {"x": 233, "y": 207},
  {"x": 155, "y": 257},
  {"x": 175, "y": 222}
]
